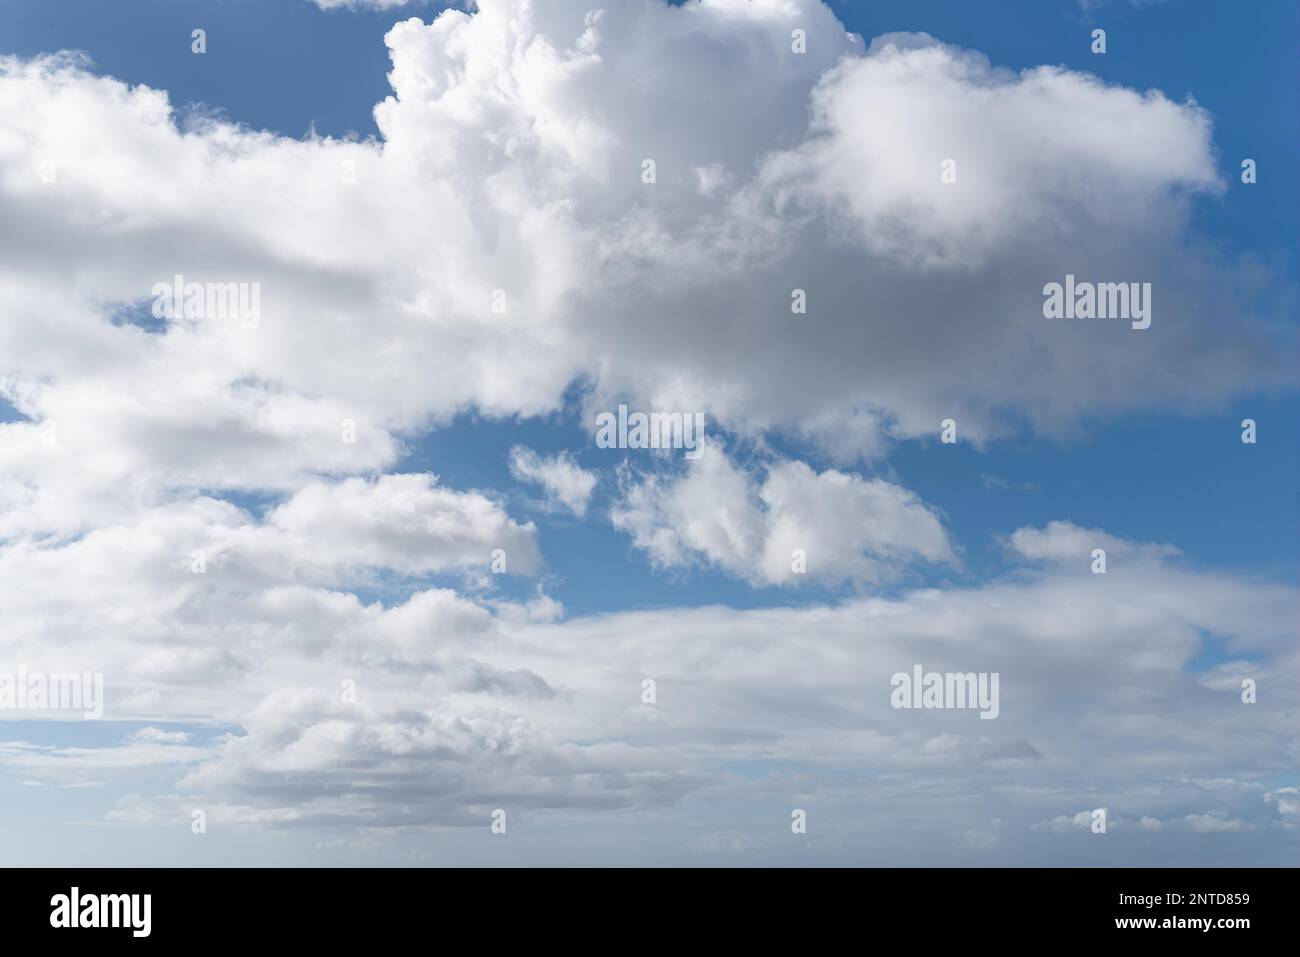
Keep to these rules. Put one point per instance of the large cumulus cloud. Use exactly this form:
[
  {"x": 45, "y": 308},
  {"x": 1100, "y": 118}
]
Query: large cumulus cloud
[{"x": 498, "y": 244}]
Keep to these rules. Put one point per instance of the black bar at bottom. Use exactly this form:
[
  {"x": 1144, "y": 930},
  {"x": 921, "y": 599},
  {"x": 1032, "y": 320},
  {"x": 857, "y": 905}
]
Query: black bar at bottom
[{"x": 554, "y": 908}]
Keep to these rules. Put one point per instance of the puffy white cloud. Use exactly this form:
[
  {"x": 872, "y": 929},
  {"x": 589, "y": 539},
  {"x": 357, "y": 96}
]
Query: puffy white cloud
[
  {"x": 848, "y": 528},
  {"x": 184, "y": 610},
  {"x": 567, "y": 484},
  {"x": 938, "y": 103},
  {"x": 403, "y": 522}
]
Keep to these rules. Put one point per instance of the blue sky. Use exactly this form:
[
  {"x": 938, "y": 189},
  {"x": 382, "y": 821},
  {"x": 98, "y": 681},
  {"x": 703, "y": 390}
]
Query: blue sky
[{"x": 1164, "y": 465}]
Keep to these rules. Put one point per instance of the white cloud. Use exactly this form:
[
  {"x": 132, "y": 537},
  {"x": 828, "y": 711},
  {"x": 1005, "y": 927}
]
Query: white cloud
[
  {"x": 784, "y": 683},
  {"x": 567, "y": 484},
  {"x": 849, "y": 528},
  {"x": 518, "y": 131},
  {"x": 1067, "y": 542},
  {"x": 403, "y": 522},
  {"x": 464, "y": 705}
]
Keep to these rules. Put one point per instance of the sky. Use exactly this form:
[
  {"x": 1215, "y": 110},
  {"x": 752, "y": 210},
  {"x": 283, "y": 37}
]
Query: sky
[{"x": 357, "y": 572}]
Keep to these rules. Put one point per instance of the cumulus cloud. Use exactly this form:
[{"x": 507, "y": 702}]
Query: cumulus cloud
[
  {"x": 567, "y": 484},
  {"x": 847, "y": 528},
  {"x": 159, "y": 603},
  {"x": 407, "y": 523},
  {"x": 519, "y": 131}
]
